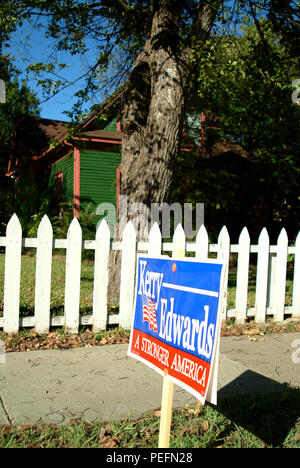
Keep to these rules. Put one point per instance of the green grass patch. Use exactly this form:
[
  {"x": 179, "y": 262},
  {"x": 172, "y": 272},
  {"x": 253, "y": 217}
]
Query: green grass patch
[
  {"x": 86, "y": 290},
  {"x": 268, "y": 421},
  {"x": 57, "y": 285},
  {"x": 231, "y": 292}
]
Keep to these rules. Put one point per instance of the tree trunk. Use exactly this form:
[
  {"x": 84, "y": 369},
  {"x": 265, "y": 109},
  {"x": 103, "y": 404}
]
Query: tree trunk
[{"x": 152, "y": 120}]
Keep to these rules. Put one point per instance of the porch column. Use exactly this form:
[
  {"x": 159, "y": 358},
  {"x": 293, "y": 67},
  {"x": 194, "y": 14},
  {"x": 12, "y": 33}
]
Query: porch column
[{"x": 76, "y": 190}]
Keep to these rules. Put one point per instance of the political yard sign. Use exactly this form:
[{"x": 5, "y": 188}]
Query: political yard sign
[{"x": 176, "y": 321}]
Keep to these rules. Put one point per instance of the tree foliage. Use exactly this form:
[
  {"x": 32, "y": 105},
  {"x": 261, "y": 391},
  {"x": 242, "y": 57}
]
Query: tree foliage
[
  {"x": 244, "y": 76},
  {"x": 246, "y": 82},
  {"x": 117, "y": 31},
  {"x": 19, "y": 101}
]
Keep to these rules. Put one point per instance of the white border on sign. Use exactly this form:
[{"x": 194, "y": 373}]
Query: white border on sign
[
  {"x": 211, "y": 387},
  {"x": 203, "y": 292}
]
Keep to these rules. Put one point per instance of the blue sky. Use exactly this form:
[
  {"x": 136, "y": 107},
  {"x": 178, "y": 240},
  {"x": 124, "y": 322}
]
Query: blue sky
[{"x": 29, "y": 45}]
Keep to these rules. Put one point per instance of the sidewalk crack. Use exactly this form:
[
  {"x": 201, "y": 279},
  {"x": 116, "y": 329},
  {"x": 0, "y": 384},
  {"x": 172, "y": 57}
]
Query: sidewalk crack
[{"x": 4, "y": 409}]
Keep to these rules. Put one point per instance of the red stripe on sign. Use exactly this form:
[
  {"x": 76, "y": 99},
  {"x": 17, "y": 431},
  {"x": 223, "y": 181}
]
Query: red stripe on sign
[{"x": 185, "y": 367}]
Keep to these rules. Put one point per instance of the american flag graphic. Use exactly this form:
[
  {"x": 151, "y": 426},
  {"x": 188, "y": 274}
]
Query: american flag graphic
[{"x": 149, "y": 312}]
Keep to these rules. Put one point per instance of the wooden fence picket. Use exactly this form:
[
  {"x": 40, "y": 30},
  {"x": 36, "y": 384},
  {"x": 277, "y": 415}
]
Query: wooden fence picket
[
  {"x": 201, "y": 252},
  {"x": 242, "y": 277},
  {"x": 280, "y": 277},
  {"x": 223, "y": 254},
  {"x": 271, "y": 280},
  {"x": 155, "y": 241},
  {"x": 43, "y": 276},
  {"x": 296, "y": 280},
  {"x": 12, "y": 277},
  {"x": 270, "y": 275},
  {"x": 128, "y": 247},
  {"x": 73, "y": 272},
  {"x": 179, "y": 241},
  {"x": 262, "y": 276},
  {"x": 101, "y": 277}
]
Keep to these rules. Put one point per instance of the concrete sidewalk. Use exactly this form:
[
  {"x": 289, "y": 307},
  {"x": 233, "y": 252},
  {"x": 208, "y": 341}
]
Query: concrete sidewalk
[{"x": 55, "y": 386}]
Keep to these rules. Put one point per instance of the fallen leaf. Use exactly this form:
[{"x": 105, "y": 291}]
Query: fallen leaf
[
  {"x": 104, "y": 439},
  {"x": 252, "y": 331},
  {"x": 108, "y": 427},
  {"x": 144, "y": 429},
  {"x": 107, "y": 442},
  {"x": 205, "y": 425},
  {"x": 251, "y": 338}
]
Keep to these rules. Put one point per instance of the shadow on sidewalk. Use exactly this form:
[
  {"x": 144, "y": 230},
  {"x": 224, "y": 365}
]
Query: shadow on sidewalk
[{"x": 269, "y": 411}]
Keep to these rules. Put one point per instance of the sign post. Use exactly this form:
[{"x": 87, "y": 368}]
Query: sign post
[
  {"x": 168, "y": 391},
  {"x": 176, "y": 326},
  {"x": 166, "y": 412}
]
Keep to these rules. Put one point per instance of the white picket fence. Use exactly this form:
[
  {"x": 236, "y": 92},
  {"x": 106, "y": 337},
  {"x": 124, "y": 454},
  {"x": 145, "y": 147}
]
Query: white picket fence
[{"x": 270, "y": 274}]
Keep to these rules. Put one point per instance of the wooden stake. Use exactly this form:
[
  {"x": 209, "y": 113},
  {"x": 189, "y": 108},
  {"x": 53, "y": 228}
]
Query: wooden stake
[
  {"x": 168, "y": 386},
  {"x": 166, "y": 412},
  {"x": 198, "y": 406}
]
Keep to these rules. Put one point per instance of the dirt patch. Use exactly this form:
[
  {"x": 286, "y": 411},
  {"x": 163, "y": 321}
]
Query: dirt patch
[{"x": 29, "y": 340}]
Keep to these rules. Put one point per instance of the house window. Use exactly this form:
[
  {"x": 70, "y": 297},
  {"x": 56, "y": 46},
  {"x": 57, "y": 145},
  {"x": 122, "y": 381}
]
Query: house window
[{"x": 59, "y": 193}]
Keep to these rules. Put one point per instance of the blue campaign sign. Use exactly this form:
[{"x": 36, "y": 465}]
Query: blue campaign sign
[{"x": 176, "y": 320}]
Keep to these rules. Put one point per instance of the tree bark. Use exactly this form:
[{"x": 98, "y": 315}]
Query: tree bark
[{"x": 153, "y": 116}]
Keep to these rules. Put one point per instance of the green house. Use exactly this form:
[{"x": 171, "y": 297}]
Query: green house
[{"x": 82, "y": 167}]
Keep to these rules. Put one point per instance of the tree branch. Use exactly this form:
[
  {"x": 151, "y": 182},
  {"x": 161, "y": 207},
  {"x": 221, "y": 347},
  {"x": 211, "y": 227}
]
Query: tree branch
[
  {"x": 120, "y": 6},
  {"x": 206, "y": 13},
  {"x": 262, "y": 36}
]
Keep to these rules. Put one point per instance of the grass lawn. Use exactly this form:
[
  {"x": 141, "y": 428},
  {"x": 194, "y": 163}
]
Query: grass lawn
[
  {"x": 57, "y": 285},
  {"x": 241, "y": 422},
  {"x": 238, "y": 422},
  {"x": 86, "y": 293},
  {"x": 252, "y": 422}
]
